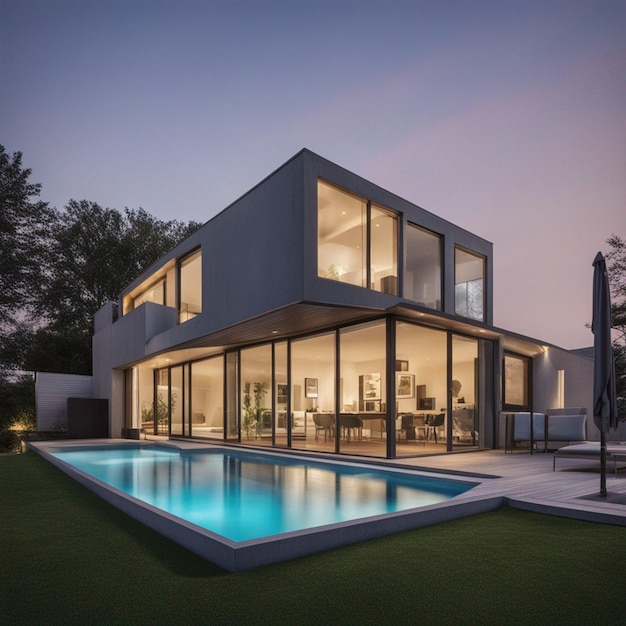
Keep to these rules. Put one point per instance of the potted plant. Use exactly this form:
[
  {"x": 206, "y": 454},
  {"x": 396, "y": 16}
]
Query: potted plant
[
  {"x": 249, "y": 412},
  {"x": 260, "y": 390}
]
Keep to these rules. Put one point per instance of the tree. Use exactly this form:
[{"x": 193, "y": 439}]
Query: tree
[
  {"x": 94, "y": 253},
  {"x": 57, "y": 269},
  {"x": 616, "y": 266},
  {"x": 24, "y": 229}
]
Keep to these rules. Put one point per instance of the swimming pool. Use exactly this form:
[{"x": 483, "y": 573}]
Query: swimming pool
[
  {"x": 243, "y": 496},
  {"x": 241, "y": 509}
]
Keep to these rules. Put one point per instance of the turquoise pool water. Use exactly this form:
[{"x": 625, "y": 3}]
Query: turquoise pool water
[{"x": 243, "y": 495}]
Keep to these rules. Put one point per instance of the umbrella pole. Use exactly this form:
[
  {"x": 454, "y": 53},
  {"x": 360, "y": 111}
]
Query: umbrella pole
[{"x": 602, "y": 464}]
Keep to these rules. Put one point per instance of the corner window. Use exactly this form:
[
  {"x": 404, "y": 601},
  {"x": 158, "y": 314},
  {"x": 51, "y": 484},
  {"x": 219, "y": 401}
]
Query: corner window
[
  {"x": 357, "y": 242},
  {"x": 469, "y": 281},
  {"x": 190, "y": 301},
  {"x": 422, "y": 267}
]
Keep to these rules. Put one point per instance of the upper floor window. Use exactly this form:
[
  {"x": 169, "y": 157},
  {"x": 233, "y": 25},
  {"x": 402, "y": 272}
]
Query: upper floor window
[
  {"x": 469, "y": 284},
  {"x": 357, "y": 243},
  {"x": 383, "y": 250},
  {"x": 341, "y": 235},
  {"x": 158, "y": 288},
  {"x": 422, "y": 267},
  {"x": 190, "y": 300},
  {"x": 155, "y": 293}
]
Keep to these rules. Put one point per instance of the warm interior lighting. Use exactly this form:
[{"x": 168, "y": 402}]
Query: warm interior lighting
[{"x": 560, "y": 404}]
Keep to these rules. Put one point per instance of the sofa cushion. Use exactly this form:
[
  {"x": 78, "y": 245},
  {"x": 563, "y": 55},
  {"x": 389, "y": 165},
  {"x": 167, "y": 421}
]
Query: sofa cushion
[
  {"x": 521, "y": 427},
  {"x": 567, "y": 428}
]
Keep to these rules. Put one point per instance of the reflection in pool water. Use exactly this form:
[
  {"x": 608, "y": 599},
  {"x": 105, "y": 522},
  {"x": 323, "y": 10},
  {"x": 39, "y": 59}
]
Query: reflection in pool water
[{"x": 243, "y": 495}]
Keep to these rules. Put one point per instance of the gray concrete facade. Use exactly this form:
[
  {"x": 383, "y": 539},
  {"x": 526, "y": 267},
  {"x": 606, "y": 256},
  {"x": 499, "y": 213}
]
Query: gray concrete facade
[{"x": 260, "y": 281}]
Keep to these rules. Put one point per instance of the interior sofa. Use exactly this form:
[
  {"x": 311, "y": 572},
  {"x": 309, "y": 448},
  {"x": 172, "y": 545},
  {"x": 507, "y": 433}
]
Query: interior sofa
[{"x": 556, "y": 426}]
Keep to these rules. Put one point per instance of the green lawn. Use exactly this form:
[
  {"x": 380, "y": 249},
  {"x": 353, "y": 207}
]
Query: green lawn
[{"x": 67, "y": 557}]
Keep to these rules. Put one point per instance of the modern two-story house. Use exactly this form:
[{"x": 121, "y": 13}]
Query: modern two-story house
[{"x": 320, "y": 312}]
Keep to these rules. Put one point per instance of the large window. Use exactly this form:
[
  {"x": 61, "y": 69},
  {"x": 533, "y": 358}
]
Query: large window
[
  {"x": 178, "y": 399},
  {"x": 363, "y": 389},
  {"x": 207, "y": 398},
  {"x": 383, "y": 250},
  {"x": 421, "y": 389},
  {"x": 177, "y": 284},
  {"x": 190, "y": 301},
  {"x": 341, "y": 235},
  {"x": 155, "y": 293},
  {"x": 256, "y": 394},
  {"x": 422, "y": 267},
  {"x": 469, "y": 281},
  {"x": 158, "y": 288},
  {"x": 357, "y": 242},
  {"x": 516, "y": 382},
  {"x": 464, "y": 391},
  {"x": 313, "y": 393},
  {"x": 281, "y": 394}
]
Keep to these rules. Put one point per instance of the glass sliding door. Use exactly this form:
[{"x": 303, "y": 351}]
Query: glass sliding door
[
  {"x": 176, "y": 400},
  {"x": 313, "y": 417},
  {"x": 161, "y": 412},
  {"x": 362, "y": 392},
  {"x": 281, "y": 395},
  {"x": 207, "y": 398},
  {"x": 421, "y": 389},
  {"x": 256, "y": 395},
  {"x": 145, "y": 400},
  {"x": 464, "y": 427},
  {"x": 233, "y": 417}
]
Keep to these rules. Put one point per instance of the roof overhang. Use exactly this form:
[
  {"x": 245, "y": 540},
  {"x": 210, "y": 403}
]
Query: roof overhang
[{"x": 305, "y": 317}]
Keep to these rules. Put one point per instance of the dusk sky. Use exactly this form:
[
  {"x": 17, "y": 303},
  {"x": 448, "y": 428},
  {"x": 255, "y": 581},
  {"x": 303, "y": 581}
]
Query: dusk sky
[{"x": 507, "y": 118}]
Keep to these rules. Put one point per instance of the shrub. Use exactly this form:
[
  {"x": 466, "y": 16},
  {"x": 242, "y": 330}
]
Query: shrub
[{"x": 9, "y": 441}]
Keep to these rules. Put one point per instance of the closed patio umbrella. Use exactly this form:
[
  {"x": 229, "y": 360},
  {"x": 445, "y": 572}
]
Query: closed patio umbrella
[{"x": 604, "y": 396}]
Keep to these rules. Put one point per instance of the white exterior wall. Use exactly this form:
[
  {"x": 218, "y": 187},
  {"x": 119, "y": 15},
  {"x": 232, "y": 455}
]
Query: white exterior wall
[
  {"x": 51, "y": 394},
  {"x": 578, "y": 383}
]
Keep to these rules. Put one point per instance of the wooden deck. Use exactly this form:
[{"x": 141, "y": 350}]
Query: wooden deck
[{"x": 527, "y": 481}]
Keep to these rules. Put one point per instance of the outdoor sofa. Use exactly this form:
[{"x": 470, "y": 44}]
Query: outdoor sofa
[
  {"x": 567, "y": 425},
  {"x": 615, "y": 452}
]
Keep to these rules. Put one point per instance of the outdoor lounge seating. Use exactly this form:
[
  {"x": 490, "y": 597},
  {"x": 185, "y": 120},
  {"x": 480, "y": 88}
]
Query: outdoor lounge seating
[
  {"x": 556, "y": 425},
  {"x": 615, "y": 452}
]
